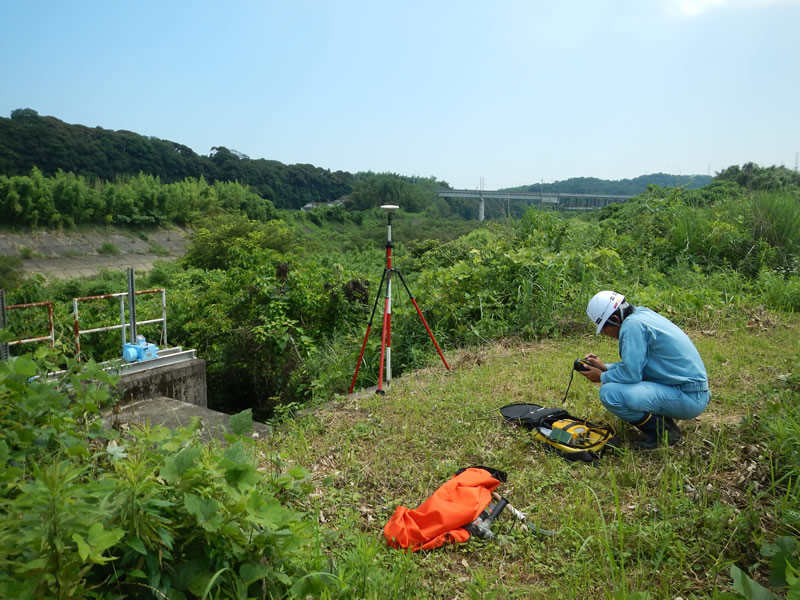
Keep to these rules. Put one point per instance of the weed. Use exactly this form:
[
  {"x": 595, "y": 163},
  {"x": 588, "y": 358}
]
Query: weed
[
  {"x": 107, "y": 248},
  {"x": 158, "y": 250},
  {"x": 28, "y": 253}
]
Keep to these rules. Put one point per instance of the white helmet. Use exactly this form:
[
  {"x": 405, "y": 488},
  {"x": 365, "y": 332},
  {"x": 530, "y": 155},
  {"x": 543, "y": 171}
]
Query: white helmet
[{"x": 602, "y": 306}]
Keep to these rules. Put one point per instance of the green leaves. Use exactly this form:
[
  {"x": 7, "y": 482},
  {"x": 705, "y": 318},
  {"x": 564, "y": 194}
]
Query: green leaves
[
  {"x": 242, "y": 422},
  {"x": 97, "y": 542},
  {"x": 22, "y": 366},
  {"x": 175, "y": 466},
  {"x": 751, "y": 590},
  {"x": 205, "y": 510},
  {"x": 157, "y": 509}
]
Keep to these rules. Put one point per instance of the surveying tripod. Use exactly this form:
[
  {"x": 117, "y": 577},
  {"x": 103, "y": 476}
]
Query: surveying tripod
[{"x": 386, "y": 334}]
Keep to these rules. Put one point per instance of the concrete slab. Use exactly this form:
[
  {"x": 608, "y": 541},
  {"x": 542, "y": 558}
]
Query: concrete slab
[
  {"x": 175, "y": 414},
  {"x": 68, "y": 254}
]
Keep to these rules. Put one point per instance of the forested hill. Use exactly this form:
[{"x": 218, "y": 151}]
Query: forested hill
[
  {"x": 28, "y": 139},
  {"x": 627, "y": 187}
]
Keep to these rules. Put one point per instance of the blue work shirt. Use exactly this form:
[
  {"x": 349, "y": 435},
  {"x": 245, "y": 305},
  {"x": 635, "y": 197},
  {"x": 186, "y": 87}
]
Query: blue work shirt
[{"x": 653, "y": 348}]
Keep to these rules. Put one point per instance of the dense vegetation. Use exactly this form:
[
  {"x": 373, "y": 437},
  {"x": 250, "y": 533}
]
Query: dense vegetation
[
  {"x": 91, "y": 512},
  {"x": 278, "y": 307}
]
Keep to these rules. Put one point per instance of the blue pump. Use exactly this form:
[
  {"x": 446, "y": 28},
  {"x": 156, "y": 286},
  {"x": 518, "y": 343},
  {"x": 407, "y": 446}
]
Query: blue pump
[{"x": 140, "y": 351}]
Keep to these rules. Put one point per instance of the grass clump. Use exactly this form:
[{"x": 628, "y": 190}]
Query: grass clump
[
  {"x": 29, "y": 253},
  {"x": 158, "y": 249},
  {"x": 107, "y": 248}
]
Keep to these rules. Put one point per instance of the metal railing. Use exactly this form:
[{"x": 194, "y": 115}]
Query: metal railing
[
  {"x": 3, "y": 308},
  {"x": 122, "y": 296}
]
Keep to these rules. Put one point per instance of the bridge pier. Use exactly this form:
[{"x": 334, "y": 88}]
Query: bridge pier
[{"x": 480, "y": 209}]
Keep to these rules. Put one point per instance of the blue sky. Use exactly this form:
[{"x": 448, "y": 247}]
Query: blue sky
[{"x": 512, "y": 91}]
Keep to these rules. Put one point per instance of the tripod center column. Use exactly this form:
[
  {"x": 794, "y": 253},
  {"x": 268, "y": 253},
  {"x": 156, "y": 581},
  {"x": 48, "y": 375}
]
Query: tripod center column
[{"x": 388, "y": 305}]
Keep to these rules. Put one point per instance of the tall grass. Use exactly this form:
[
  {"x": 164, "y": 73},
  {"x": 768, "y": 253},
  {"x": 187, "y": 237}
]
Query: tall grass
[{"x": 776, "y": 219}]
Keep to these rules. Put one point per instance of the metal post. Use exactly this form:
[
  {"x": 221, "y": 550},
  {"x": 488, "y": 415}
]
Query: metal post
[
  {"x": 4, "y": 346},
  {"x": 77, "y": 328},
  {"x": 122, "y": 320},
  {"x": 132, "y": 304},
  {"x": 164, "y": 315}
]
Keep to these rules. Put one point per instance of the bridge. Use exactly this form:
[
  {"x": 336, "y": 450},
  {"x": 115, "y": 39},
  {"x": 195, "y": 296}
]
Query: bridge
[{"x": 556, "y": 200}]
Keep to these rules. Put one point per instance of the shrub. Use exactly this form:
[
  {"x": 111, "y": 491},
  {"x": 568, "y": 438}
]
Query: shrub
[
  {"x": 107, "y": 248},
  {"x": 11, "y": 273}
]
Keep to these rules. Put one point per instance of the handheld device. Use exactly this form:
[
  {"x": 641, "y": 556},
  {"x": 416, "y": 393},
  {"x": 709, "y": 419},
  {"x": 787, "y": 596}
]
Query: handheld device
[{"x": 580, "y": 364}]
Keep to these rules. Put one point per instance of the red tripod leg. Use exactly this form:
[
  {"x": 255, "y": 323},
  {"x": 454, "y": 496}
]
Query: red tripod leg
[
  {"x": 424, "y": 322},
  {"x": 360, "y": 356},
  {"x": 369, "y": 327},
  {"x": 430, "y": 333}
]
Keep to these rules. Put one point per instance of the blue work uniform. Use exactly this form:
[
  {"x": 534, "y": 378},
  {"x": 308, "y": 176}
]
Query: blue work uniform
[{"x": 661, "y": 371}]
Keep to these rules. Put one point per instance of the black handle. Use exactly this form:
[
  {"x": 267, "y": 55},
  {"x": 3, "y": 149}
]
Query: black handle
[{"x": 498, "y": 508}]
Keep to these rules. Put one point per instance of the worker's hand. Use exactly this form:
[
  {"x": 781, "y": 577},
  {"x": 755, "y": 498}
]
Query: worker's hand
[
  {"x": 592, "y": 360},
  {"x": 591, "y": 373}
]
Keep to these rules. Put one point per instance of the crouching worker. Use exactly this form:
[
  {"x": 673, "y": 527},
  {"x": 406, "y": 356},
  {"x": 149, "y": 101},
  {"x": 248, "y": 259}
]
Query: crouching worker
[{"x": 660, "y": 376}]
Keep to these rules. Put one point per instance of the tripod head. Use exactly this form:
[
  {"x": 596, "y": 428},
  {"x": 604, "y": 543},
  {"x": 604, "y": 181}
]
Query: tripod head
[{"x": 389, "y": 208}]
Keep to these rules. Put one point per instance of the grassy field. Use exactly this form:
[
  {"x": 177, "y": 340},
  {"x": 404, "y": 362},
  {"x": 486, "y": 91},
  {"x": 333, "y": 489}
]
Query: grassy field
[{"x": 667, "y": 522}]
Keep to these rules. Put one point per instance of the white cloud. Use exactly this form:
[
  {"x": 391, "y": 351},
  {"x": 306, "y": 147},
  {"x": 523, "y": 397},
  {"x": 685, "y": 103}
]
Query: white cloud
[{"x": 693, "y": 8}]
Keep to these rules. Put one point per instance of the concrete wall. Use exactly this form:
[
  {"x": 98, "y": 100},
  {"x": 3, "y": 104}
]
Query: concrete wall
[
  {"x": 184, "y": 381},
  {"x": 72, "y": 254}
]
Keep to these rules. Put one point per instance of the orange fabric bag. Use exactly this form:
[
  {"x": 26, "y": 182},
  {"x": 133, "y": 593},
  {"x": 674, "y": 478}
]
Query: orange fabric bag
[{"x": 442, "y": 517}]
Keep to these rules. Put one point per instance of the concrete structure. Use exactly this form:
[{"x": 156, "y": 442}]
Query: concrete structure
[
  {"x": 312, "y": 205},
  {"x": 174, "y": 414},
  {"x": 558, "y": 200},
  {"x": 169, "y": 391},
  {"x": 182, "y": 379},
  {"x": 73, "y": 254}
]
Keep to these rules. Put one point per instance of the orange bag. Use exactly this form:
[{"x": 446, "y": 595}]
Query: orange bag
[{"x": 442, "y": 517}]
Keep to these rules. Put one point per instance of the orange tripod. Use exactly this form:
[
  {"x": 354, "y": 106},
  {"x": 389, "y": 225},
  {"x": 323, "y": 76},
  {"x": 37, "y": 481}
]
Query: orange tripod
[{"x": 386, "y": 335}]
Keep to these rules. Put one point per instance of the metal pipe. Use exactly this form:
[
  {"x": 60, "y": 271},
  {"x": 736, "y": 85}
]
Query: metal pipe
[
  {"x": 28, "y": 340},
  {"x": 77, "y": 329},
  {"x": 164, "y": 316},
  {"x": 122, "y": 320},
  {"x": 112, "y": 327},
  {"x": 132, "y": 305}
]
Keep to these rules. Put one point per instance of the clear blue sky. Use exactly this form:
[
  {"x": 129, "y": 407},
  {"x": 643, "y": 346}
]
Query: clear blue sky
[{"x": 511, "y": 91}]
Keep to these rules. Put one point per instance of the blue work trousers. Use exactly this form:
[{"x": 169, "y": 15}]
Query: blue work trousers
[{"x": 632, "y": 401}]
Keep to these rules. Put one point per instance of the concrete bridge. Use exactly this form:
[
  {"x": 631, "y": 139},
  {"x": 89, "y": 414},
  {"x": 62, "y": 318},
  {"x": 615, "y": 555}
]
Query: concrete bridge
[{"x": 556, "y": 200}]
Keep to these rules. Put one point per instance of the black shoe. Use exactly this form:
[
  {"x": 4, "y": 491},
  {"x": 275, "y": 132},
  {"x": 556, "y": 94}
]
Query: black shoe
[{"x": 658, "y": 431}]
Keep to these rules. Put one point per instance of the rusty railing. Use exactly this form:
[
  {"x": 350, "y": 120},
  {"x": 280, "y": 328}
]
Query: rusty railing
[{"x": 123, "y": 324}]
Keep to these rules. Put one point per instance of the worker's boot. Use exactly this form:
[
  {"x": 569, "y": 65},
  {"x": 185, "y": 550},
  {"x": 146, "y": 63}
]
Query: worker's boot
[{"x": 657, "y": 431}]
